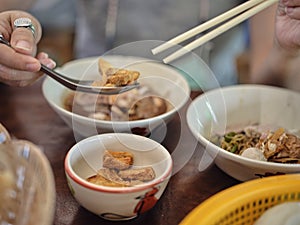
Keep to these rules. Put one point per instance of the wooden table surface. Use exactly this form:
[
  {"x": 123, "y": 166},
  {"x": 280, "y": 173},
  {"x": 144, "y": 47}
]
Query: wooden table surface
[{"x": 27, "y": 115}]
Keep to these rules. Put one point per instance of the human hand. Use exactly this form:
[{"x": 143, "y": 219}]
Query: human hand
[
  {"x": 20, "y": 65},
  {"x": 287, "y": 29}
]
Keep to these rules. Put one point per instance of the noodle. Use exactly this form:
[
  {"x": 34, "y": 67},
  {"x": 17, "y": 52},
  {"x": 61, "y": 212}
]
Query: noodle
[
  {"x": 276, "y": 146},
  {"x": 237, "y": 142}
]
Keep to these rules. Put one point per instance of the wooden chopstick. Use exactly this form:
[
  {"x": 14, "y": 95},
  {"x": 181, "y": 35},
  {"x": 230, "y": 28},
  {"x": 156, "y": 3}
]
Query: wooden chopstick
[
  {"x": 248, "y": 8},
  {"x": 205, "y": 26}
]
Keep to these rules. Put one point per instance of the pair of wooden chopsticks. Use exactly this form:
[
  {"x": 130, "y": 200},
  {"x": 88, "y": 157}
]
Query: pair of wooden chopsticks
[{"x": 242, "y": 12}]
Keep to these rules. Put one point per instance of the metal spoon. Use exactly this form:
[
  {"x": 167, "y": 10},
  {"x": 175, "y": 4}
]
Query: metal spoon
[{"x": 80, "y": 85}]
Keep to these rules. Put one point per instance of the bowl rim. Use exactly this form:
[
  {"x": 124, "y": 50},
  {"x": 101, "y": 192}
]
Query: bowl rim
[
  {"x": 167, "y": 114},
  {"x": 82, "y": 182},
  {"x": 228, "y": 155}
]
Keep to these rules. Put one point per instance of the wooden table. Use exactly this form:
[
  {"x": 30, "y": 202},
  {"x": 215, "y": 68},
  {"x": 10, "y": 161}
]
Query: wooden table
[{"x": 26, "y": 115}]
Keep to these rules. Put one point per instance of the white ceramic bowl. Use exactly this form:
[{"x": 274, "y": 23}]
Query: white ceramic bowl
[
  {"x": 27, "y": 187},
  {"x": 242, "y": 105},
  {"x": 166, "y": 81},
  {"x": 117, "y": 203}
]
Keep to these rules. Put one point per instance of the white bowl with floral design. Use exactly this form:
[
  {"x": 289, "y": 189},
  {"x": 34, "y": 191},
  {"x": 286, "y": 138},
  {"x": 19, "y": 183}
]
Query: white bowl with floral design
[{"x": 117, "y": 203}]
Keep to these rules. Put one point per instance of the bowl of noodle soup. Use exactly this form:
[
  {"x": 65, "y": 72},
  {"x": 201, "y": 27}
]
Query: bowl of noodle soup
[
  {"x": 163, "y": 91},
  {"x": 248, "y": 131}
]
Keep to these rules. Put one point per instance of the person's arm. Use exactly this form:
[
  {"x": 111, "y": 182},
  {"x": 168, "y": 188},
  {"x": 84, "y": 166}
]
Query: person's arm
[
  {"x": 19, "y": 65},
  {"x": 262, "y": 28}
]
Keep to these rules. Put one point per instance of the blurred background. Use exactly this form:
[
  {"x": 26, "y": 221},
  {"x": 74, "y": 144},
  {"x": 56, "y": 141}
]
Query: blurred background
[
  {"x": 79, "y": 28},
  {"x": 58, "y": 18},
  {"x": 82, "y": 28}
]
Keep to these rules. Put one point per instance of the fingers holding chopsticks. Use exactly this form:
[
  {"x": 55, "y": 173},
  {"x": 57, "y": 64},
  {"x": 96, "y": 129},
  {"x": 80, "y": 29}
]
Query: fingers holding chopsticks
[
  {"x": 287, "y": 30},
  {"x": 291, "y": 8}
]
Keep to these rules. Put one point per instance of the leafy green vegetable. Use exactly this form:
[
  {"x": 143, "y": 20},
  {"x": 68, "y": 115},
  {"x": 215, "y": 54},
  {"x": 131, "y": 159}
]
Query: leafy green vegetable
[{"x": 228, "y": 137}]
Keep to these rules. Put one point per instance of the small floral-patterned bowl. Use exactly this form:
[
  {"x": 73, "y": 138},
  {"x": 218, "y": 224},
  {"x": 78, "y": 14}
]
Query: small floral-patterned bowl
[{"x": 85, "y": 159}]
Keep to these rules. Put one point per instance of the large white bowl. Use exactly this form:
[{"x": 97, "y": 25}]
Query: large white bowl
[
  {"x": 117, "y": 203},
  {"x": 166, "y": 81},
  {"x": 241, "y": 105}
]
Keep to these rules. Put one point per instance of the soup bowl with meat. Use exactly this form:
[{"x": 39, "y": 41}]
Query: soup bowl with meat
[
  {"x": 162, "y": 92},
  {"x": 248, "y": 131},
  {"x": 118, "y": 176}
]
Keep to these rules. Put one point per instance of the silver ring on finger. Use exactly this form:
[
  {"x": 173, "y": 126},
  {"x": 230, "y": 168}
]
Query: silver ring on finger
[{"x": 25, "y": 23}]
